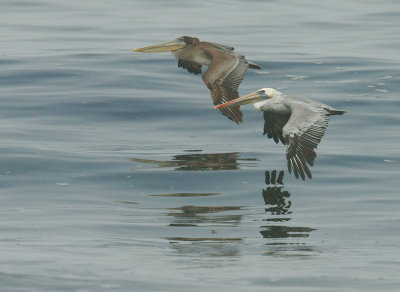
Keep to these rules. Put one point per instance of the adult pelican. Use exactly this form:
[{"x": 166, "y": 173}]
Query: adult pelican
[
  {"x": 226, "y": 69},
  {"x": 298, "y": 123}
]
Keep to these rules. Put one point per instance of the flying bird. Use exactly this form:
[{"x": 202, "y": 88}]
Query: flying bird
[
  {"x": 226, "y": 69},
  {"x": 297, "y": 122}
]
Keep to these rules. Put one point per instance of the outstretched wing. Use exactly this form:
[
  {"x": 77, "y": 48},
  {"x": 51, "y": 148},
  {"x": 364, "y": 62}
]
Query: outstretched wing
[
  {"x": 223, "y": 78},
  {"x": 303, "y": 132},
  {"x": 273, "y": 124}
]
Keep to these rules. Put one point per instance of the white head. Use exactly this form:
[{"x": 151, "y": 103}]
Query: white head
[
  {"x": 269, "y": 92},
  {"x": 262, "y": 94}
]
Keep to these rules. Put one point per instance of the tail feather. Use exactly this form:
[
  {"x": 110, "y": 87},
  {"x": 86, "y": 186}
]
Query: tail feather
[
  {"x": 254, "y": 66},
  {"x": 336, "y": 112}
]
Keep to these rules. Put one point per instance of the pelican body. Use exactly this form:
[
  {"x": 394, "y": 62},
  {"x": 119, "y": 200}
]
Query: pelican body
[
  {"x": 297, "y": 122},
  {"x": 226, "y": 69}
]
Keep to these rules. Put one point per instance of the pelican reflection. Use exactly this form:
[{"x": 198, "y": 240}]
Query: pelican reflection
[
  {"x": 206, "y": 233},
  {"x": 195, "y": 215},
  {"x": 278, "y": 206},
  {"x": 275, "y": 198},
  {"x": 202, "y": 161}
]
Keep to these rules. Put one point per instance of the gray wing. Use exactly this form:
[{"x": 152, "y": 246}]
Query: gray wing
[
  {"x": 223, "y": 78},
  {"x": 303, "y": 132}
]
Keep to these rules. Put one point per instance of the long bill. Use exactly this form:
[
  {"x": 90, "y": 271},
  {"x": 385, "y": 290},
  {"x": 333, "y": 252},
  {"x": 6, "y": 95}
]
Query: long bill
[
  {"x": 163, "y": 47},
  {"x": 250, "y": 98}
]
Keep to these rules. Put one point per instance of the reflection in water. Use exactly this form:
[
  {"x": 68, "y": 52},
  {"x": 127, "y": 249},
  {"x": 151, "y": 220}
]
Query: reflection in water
[
  {"x": 200, "y": 215},
  {"x": 285, "y": 231},
  {"x": 278, "y": 206},
  {"x": 215, "y": 239},
  {"x": 207, "y": 224},
  {"x": 201, "y": 162},
  {"x": 207, "y": 247},
  {"x": 127, "y": 202},
  {"x": 213, "y": 230},
  {"x": 185, "y": 195},
  {"x": 210, "y": 243},
  {"x": 274, "y": 197},
  {"x": 270, "y": 177}
]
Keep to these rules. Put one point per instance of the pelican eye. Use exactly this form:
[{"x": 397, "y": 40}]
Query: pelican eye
[
  {"x": 261, "y": 92},
  {"x": 182, "y": 40}
]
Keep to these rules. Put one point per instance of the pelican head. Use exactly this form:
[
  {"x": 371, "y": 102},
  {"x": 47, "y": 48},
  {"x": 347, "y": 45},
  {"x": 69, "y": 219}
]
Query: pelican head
[
  {"x": 259, "y": 95},
  {"x": 173, "y": 45}
]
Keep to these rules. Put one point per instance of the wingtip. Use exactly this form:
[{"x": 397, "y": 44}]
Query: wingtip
[{"x": 237, "y": 121}]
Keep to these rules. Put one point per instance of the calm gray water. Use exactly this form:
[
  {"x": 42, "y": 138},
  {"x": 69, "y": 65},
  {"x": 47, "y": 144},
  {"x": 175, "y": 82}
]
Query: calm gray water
[{"x": 116, "y": 173}]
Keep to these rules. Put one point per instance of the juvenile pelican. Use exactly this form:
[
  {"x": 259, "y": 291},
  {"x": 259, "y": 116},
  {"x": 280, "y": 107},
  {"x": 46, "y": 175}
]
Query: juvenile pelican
[
  {"x": 226, "y": 69},
  {"x": 298, "y": 123}
]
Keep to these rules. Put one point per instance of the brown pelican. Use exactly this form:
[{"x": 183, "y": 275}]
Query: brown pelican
[
  {"x": 298, "y": 123},
  {"x": 226, "y": 69}
]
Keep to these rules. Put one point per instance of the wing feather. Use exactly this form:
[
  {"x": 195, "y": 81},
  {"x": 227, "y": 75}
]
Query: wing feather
[
  {"x": 223, "y": 78},
  {"x": 273, "y": 124},
  {"x": 303, "y": 132},
  {"x": 224, "y": 47},
  {"x": 192, "y": 67}
]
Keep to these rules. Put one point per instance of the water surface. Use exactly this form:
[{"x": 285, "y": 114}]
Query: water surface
[{"x": 116, "y": 173}]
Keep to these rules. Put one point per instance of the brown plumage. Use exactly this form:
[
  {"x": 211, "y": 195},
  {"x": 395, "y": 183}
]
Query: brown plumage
[
  {"x": 225, "y": 72},
  {"x": 226, "y": 69}
]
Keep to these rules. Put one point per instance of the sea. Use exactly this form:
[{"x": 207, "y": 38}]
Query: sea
[{"x": 117, "y": 174}]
